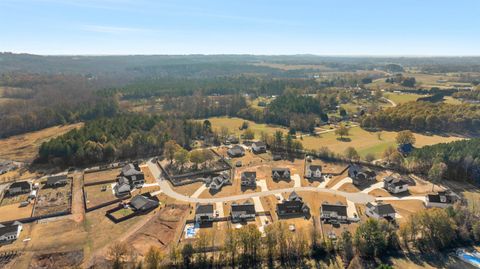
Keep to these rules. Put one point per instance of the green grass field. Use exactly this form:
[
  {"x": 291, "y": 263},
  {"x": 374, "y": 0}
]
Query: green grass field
[
  {"x": 400, "y": 98},
  {"x": 365, "y": 142}
]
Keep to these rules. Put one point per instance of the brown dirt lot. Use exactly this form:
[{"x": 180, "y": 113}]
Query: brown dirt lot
[
  {"x": 18, "y": 174},
  {"x": 25, "y": 147},
  {"x": 148, "y": 174},
  {"x": 348, "y": 187},
  {"x": 95, "y": 195},
  {"x": 163, "y": 229},
  {"x": 14, "y": 211},
  {"x": 407, "y": 207},
  {"x": 110, "y": 174},
  {"x": 69, "y": 259},
  {"x": 188, "y": 189},
  {"x": 380, "y": 193},
  {"x": 336, "y": 179},
  {"x": 51, "y": 200}
]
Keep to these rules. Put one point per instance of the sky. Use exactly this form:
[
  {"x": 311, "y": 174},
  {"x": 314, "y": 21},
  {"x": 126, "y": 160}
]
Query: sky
[{"x": 267, "y": 27}]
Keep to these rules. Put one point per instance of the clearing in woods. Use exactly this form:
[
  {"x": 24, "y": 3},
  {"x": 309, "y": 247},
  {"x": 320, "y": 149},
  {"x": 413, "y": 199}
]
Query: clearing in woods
[{"x": 25, "y": 147}]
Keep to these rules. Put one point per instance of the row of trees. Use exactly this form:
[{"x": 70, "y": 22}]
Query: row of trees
[
  {"x": 426, "y": 116},
  {"x": 122, "y": 137},
  {"x": 428, "y": 231}
]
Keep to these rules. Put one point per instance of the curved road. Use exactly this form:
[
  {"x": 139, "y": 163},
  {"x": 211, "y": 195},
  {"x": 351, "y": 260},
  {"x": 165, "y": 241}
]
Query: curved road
[{"x": 361, "y": 198}]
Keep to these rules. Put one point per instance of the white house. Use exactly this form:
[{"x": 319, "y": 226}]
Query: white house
[
  {"x": 10, "y": 233},
  {"x": 313, "y": 172},
  {"x": 380, "y": 210},
  {"x": 395, "y": 184}
]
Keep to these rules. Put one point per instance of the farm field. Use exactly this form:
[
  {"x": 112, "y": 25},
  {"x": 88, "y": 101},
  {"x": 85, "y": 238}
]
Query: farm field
[
  {"x": 367, "y": 142},
  {"x": 233, "y": 125},
  {"x": 25, "y": 147},
  {"x": 400, "y": 98}
]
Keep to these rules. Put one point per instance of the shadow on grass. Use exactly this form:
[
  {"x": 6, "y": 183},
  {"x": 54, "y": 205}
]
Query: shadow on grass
[{"x": 344, "y": 139}]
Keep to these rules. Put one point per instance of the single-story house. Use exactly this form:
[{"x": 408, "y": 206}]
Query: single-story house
[
  {"x": 236, "y": 151},
  {"x": 19, "y": 187},
  {"x": 56, "y": 181},
  {"x": 313, "y": 172},
  {"x": 380, "y": 210},
  {"x": 281, "y": 174},
  {"x": 10, "y": 233},
  {"x": 259, "y": 147},
  {"x": 243, "y": 212},
  {"x": 134, "y": 175},
  {"x": 293, "y": 206},
  {"x": 395, "y": 184},
  {"x": 122, "y": 187},
  {"x": 440, "y": 199},
  {"x": 334, "y": 213},
  {"x": 360, "y": 175},
  {"x": 232, "y": 139},
  {"x": 204, "y": 213},
  {"x": 249, "y": 179},
  {"x": 143, "y": 203}
]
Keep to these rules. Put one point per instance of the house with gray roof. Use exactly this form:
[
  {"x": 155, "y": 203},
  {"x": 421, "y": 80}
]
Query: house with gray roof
[
  {"x": 10, "y": 233},
  {"x": 204, "y": 213},
  {"x": 19, "y": 187},
  {"x": 395, "y": 184},
  {"x": 217, "y": 182},
  {"x": 281, "y": 174},
  {"x": 56, "y": 181},
  {"x": 360, "y": 175},
  {"x": 243, "y": 212},
  {"x": 313, "y": 172},
  {"x": 134, "y": 175},
  {"x": 122, "y": 187},
  {"x": 334, "y": 213},
  {"x": 293, "y": 206},
  {"x": 380, "y": 210},
  {"x": 236, "y": 151},
  {"x": 442, "y": 199},
  {"x": 248, "y": 179},
  {"x": 259, "y": 147},
  {"x": 143, "y": 203}
]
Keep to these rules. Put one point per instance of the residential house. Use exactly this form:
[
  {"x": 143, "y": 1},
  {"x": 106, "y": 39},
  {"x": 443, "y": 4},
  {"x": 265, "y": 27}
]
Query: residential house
[
  {"x": 204, "y": 213},
  {"x": 281, "y": 174},
  {"x": 236, "y": 151},
  {"x": 122, "y": 188},
  {"x": 395, "y": 184},
  {"x": 56, "y": 181},
  {"x": 143, "y": 203},
  {"x": 313, "y": 172},
  {"x": 249, "y": 179},
  {"x": 293, "y": 206},
  {"x": 360, "y": 175},
  {"x": 232, "y": 139},
  {"x": 217, "y": 182},
  {"x": 259, "y": 147},
  {"x": 441, "y": 199},
  {"x": 242, "y": 212},
  {"x": 334, "y": 213},
  {"x": 134, "y": 175},
  {"x": 10, "y": 233},
  {"x": 19, "y": 187},
  {"x": 380, "y": 210}
]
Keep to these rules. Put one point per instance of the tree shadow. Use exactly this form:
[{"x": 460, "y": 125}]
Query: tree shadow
[{"x": 344, "y": 139}]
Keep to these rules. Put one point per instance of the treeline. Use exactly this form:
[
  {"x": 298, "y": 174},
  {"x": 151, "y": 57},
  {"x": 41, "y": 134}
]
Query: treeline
[
  {"x": 468, "y": 95},
  {"x": 44, "y": 101},
  {"x": 299, "y": 112},
  {"x": 462, "y": 159},
  {"x": 428, "y": 231},
  {"x": 123, "y": 137},
  {"x": 251, "y": 84},
  {"x": 426, "y": 116},
  {"x": 199, "y": 106}
]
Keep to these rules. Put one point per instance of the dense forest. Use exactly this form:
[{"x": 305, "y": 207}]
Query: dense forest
[
  {"x": 468, "y": 95},
  {"x": 37, "y": 102},
  {"x": 461, "y": 159},
  {"x": 427, "y": 116},
  {"x": 122, "y": 137}
]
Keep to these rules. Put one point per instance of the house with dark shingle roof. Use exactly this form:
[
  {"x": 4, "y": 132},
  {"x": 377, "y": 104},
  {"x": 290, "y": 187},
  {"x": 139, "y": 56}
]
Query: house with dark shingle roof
[
  {"x": 259, "y": 147},
  {"x": 293, "y": 206},
  {"x": 380, "y": 210},
  {"x": 360, "y": 175},
  {"x": 217, "y": 182},
  {"x": 204, "y": 213},
  {"x": 56, "y": 181},
  {"x": 134, "y": 175},
  {"x": 10, "y": 233},
  {"x": 334, "y": 213},
  {"x": 313, "y": 172},
  {"x": 248, "y": 179},
  {"x": 440, "y": 199},
  {"x": 236, "y": 151},
  {"x": 281, "y": 174},
  {"x": 122, "y": 188},
  {"x": 19, "y": 187},
  {"x": 242, "y": 212},
  {"x": 143, "y": 203},
  {"x": 395, "y": 184}
]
